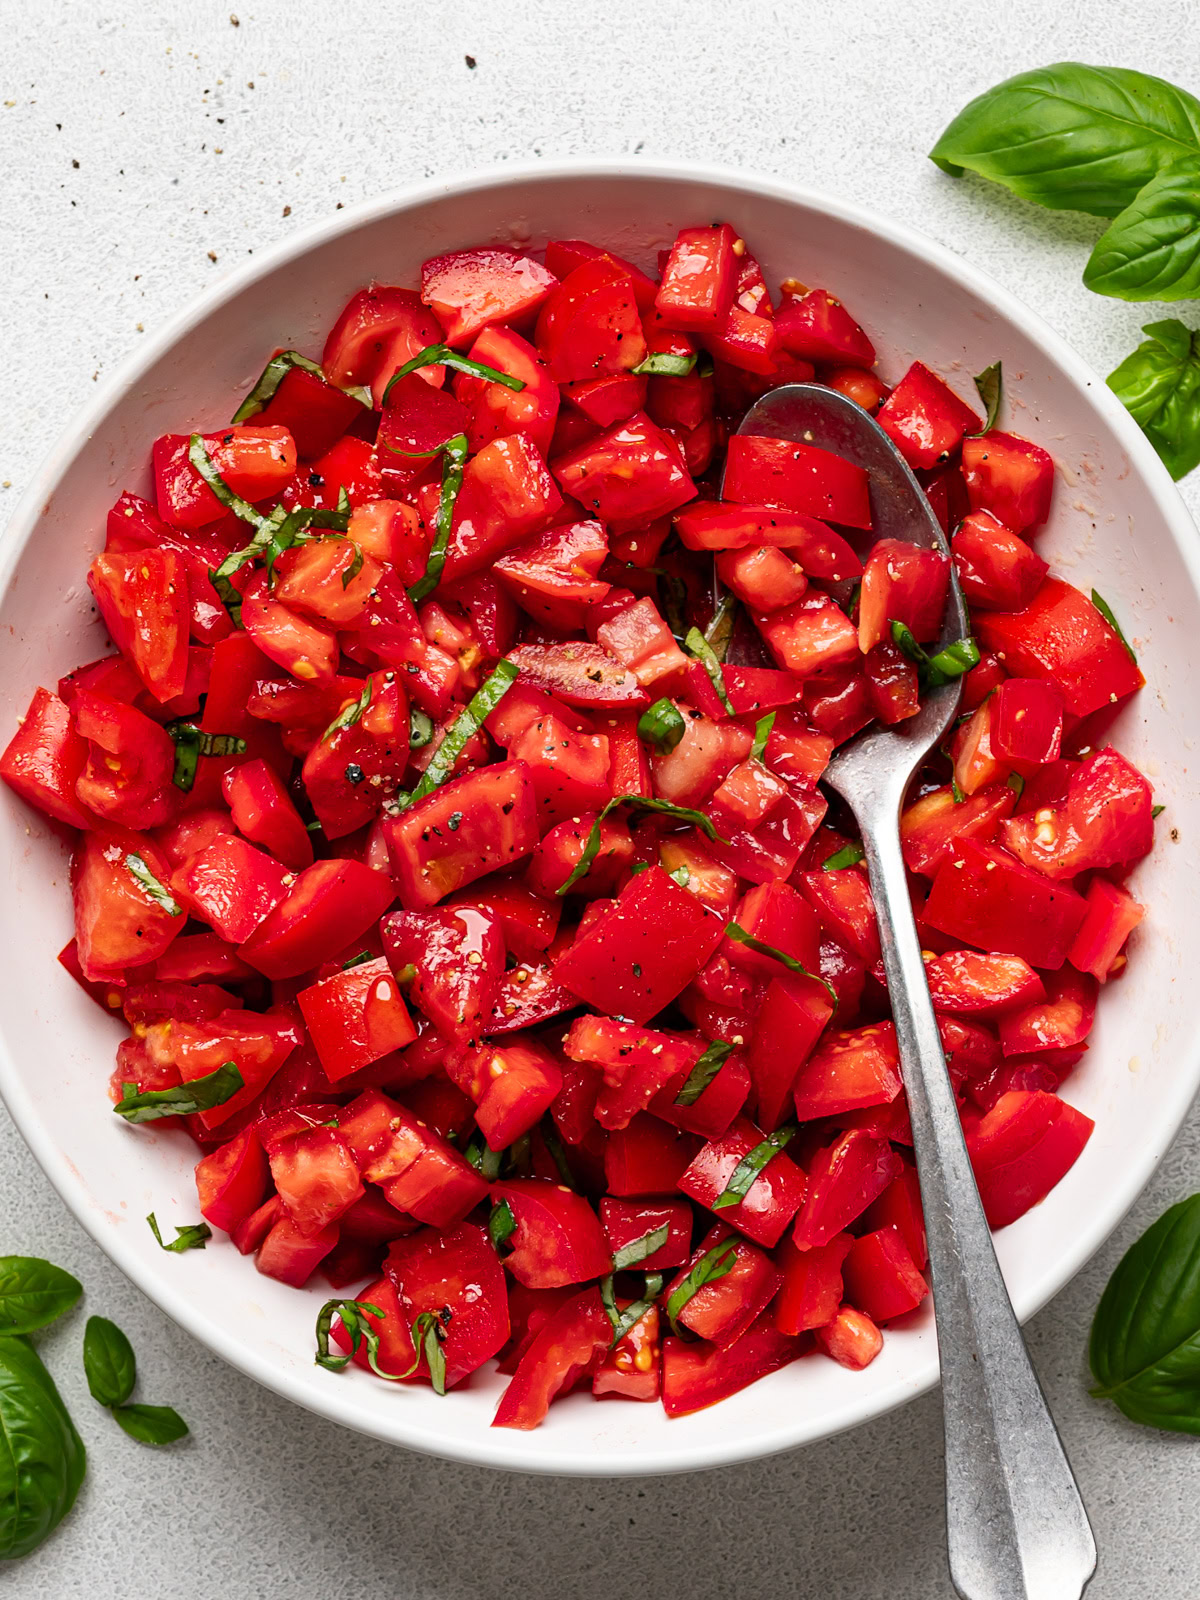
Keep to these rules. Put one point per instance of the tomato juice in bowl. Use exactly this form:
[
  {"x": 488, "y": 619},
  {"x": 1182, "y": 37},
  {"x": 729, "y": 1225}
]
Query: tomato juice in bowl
[{"x": 891, "y": 283}]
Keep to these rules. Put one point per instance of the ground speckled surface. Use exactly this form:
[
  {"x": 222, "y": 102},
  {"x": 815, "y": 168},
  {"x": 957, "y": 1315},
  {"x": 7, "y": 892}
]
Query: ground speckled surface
[{"x": 145, "y": 150}]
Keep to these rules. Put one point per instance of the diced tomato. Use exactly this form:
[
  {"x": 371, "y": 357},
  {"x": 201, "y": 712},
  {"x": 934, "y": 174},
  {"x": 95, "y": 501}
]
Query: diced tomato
[
  {"x": 1027, "y": 723},
  {"x": 456, "y": 958},
  {"x": 851, "y": 1339},
  {"x": 982, "y": 985},
  {"x": 497, "y": 411},
  {"x": 513, "y": 1082},
  {"x": 232, "y": 1180},
  {"x": 1058, "y": 1020},
  {"x": 329, "y": 905},
  {"x": 797, "y": 477},
  {"x": 628, "y": 475},
  {"x": 631, "y": 1222},
  {"x": 636, "y": 1063},
  {"x": 314, "y": 1175},
  {"x": 647, "y": 1157},
  {"x": 117, "y": 922},
  {"x": 233, "y": 887},
  {"x": 899, "y": 1206},
  {"x": 573, "y": 1339},
  {"x": 997, "y": 569},
  {"x": 773, "y": 1198},
  {"x": 44, "y": 760},
  {"x": 262, "y": 810},
  {"x": 698, "y": 279},
  {"x": 553, "y": 576},
  {"x": 418, "y": 1171},
  {"x": 850, "y": 1069},
  {"x": 589, "y": 326},
  {"x": 1105, "y": 821},
  {"x": 456, "y": 1277},
  {"x": 1111, "y": 916},
  {"x": 989, "y": 899},
  {"x": 641, "y": 641},
  {"x": 253, "y": 462},
  {"x": 290, "y": 1254},
  {"x": 901, "y": 583},
  {"x": 722, "y": 1309},
  {"x": 812, "y": 1284},
  {"x": 484, "y": 821},
  {"x": 881, "y": 1277},
  {"x": 470, "y": 289},
  {"x": 696, "y": 1375},
  {"x": 1025, "y": 1145},
  {"x": 558, "y": 1237},
  {"x": 843, "y": 1180},
  {"x": 633, "y": 1368},
  {"x": 527, "y": 920},
  {"x": 126, "y": 776},
  {"x": 819, "y": 328},
  {"x": 810, "y": 635},
  {"x": 1010, "y": 477},
  {"x": 355, "y": 1017},
  {"x": 380, "y": 329},
  {"x": 507, "y": 494},
  {"x": 143, "y": 598}
]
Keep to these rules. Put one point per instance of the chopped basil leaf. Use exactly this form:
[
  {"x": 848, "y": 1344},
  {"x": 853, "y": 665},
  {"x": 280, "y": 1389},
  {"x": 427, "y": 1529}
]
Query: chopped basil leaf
[
  {"x": 662, "y": 726},
  {"x": 191, "y": 743},
  {"x": 751, "y": 1165},
  {"x": 353, "y": 1316},
  {"x": 696, "y": 644},
  {"x": 719, "y": 632},
  {"x": 420, "y": 728},
  {"x": 990, "y": 386},
  {"x": 1106, "y": 611},
  {"x": 643, "y": 803},
  {"x": 762, "y": 732},
  {"x": 704, "y": 1071},
  {"x": 200, "y": 459},
  {"x": 639, "y": 1249},
  {"x": 623, "y": 1321},
  {"x": 557, "y": 1154},
  {"x": 681, "y": 873},
  {"x": 501, "y": 1224},
  {"x": 273, "y": 374},
  {"x": 355, "y": 567},
  {"x": 1017, "y": 783},
  {"x": 454, "y": 459},
  {"x": 351, "y": 714},
  {"x": 283, "y": 529},
  {"x": 464, "y": 727},
  {"x": 674, "y": 599},
  {"x": 359, "y": 960},
  {"x": 958, "y": 794},
  {"x": 644, "y": 866},
  {"x": 184, "y": 1100},
  {"x": 441, "y": 355},
  {"x": 713, "y": 1264},
  {"x": 666, "y": 364},
  {"x": 149, "y": 884},
  {"x": 941, "y": 668},
  {"x": 192, "y": 1236},
  {"x": 428, "y": 1331},
  {"x": 848, "y": 856},
  {"x": 1156, "y": 811},
  {"x": 903, "y": 639},
  {"x": 738, "y": 934},
  {"x": 483, "y": 1158}
]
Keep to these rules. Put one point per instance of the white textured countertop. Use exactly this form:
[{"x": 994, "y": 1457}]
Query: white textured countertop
[{"x": 145, "y": 150}]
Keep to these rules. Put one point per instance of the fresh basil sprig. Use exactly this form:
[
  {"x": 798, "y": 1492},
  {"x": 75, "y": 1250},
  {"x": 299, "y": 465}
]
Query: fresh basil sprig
[
  {"x": 192, "y": 1236},
  {"x": 1145, "y": 1343},
  {"x": 184, "y": 1100},
  {"x": 1159, "y": 385},
  {"x": 464, "y": 727},
  {"x": 735, "y": 931},
  {"x": 640, "y": 802},
  {"x": 712, "y": 1265},
  {"x": 749, "y": 1168},
  {"x": 441, "y": 355},
  {"x": 151, "y": 886},
  {"x": 273, "y": 374},
  {"x": 34, "y": 1293},
  {"x": 707, "y": 1066},
  {"x": 110, "y": 1367},
  {"x": 42, "y": 1457}
]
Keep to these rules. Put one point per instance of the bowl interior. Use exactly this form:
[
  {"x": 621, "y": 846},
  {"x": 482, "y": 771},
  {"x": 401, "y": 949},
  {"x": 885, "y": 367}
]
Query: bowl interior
[{"x": 1117, "y": 524}]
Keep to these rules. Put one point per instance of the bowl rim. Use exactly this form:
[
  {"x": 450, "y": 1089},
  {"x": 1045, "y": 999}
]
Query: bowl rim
[{"x": 499, "y": 1450}]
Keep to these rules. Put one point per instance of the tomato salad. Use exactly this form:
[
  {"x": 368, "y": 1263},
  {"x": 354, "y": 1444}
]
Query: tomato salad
[{"x": 448, "y": 828}]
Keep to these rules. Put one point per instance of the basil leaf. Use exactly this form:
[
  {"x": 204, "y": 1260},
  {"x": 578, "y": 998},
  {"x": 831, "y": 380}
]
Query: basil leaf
[
  {"x": 662, "y": 726},
  {"x": 638, "y": 1249},
  {"x": 454, "y": 459},
  {"x": 1145, "y": 1342},
  {"x": 1073, "y": 137},
  {"x": 704, "y": 1071},
  {"x": 746, "y": 1172},
  {"x": 501, "y": 1224},
  {"x": 1156, "y": 812},
  {"x": 192, "y": 1236},
  {"x": 464, "y": 727},
  {"x": 420, "y": 728},
  {"x": 486, "y": 1161},
  {"x": 109, "y": 1363},
  {"x": 956, "y": 792},
  {"x": 623, "y": 1321},
  {"x": 273, "y": 374},
  {"x": 713, "y": 1264},
  {"x": 735, "y": 931},
  {"x": 695, "y": 642},
  {"x": 352, "y": 1314},
  {"x": 42, "y": 1458},
  {"x": 642, "y": 803},
  {"x": 349, "y": 715},
  {"x": 191, "y": 743},
  {"x": 1159, "y": 385},
  {"x": 990, "y": 386},
  {"x": 1014, "y": 781},
  {"x": 203, "y": 463},
  {"x": 34, "y": 1293},
  {"x": 358, "y": 960},
  {"x": 151, "y": 1424},
  {"x": 1106, "y": 611},
  {"x": 848, "y": 856},
  {"x": 941, "y": 668},
  {"x": 558, "y": 1154},
  {"x": 279, "y": 532},
  {"x": 1151, "y": 251},
  {"x": 441, "y": 355},
  {"x": 666, "y": 364},
  {"x": 197, "y": 1094},
  {"x": 149, "y": 884},
  {"x": 428, "y": 1331},
  {"x": 762, "y": 732},
  {"x": 719, "y": 633}
]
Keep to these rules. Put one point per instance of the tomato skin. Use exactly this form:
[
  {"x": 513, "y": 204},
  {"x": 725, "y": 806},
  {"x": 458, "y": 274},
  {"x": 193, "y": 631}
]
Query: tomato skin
[
  {"x": 497, "y": 827},
  {"x": 1105, "y": 821},
  {"x": 513, "y": 1082},
  {"x": 647, "y": 1157},
  {"x": 810, "y": 635},
  {"x": 628, "y": 475},
  {"x": 819, "y": 328},
  {"x": 527, "y": 920},
  {"x": 970, "y": 982},
  {"x": 44, "y": 759},
  {"x": 458, "y": 958},
  {"x": 845, "y": 909},
  {"x": 1112, "y": 915},
  {"x": 330, "y": 904},
  {"x": 900, "y": 1206},
  {"x": 263, "y": 811},
  {"x": 378, "y": 330},
  {"x": 126, "y": 777},
  {"x": 571, "y": 1340},
  {"x": 763, "y": 579},
  {"x": 640, "y": 640},
  {"x": 843, "y": 1179},
  {"x": 315, "y": 412},
  {"x": 798, "y": 477},
  {"x": 255, "y": 462},
  {"x": 881, "y": 1277},
  {"x": 355, "y": 1017},
  {"x": 561, "y": 851},
  {"x": 773, "y": 1198},
  {"x": 812, "y": 1284},
  {"x": 1058, "y": 1020},
  {"x": 291, "y": 1255},
  {"x": 496, "y": 411},
  {"x": 553, "y": 576},
  {"x": 507, "y": 494},
  {"x": 653, "y": 940},
  {"x": 849, "y": 1070},
  {"x": 351, "y": 772},
  {"x": 924, "y": 418},
  {"x": 232, "y": 886},
  {"x": 863, "y": 387},
  {"x": 589, "y": 326},
  {"x": 569, "y": 770},
  {"x": 1010, "y": 477},
  {"x": 997, "y": 569},
  {"x": 1027, "y": 723},
  {"x": 143, "y": 598},
  {"x": 469, "y": 289},
  {"x": 232, "y": 1180},
  {"x": 696, "y": 1375},
  {"x": 1022, "y": 1148},
  {"x": 117, "y": 925},
  {"x": 558, "y": 1238},
  {"x": 988, "y": 898}
]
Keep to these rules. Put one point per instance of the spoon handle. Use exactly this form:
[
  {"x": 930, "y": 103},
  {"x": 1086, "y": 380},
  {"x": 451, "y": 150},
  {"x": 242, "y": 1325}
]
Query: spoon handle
[{"x": 1016, "y": 1525}]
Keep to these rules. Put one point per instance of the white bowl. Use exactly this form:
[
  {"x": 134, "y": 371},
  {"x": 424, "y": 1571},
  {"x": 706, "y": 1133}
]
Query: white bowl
[{"x": 1117, "y": 524}]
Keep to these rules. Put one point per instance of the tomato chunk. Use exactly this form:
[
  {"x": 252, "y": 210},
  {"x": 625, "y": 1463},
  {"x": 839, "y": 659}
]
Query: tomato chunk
[
  {"x": 474, "y": 825},
  {"x": 696, "y": 1375},
  {"x": 1025, "y": 1145},
  {"x": 44, "y": 760},
  {"x": 1060, "y": 635},
  {"x": 988, "y": 898}
]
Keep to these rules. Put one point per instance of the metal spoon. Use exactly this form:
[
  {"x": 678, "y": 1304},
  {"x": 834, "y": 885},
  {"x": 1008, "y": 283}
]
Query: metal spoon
[{"x": 1016, "y": 1525}]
